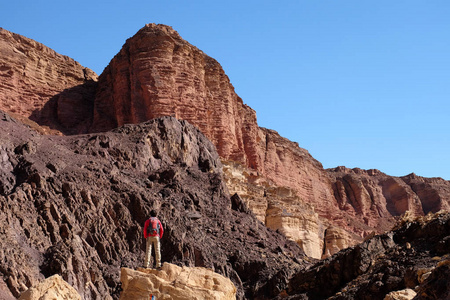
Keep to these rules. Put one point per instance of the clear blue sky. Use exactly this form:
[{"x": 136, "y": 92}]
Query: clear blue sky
[{"x": 357, "y": 83}]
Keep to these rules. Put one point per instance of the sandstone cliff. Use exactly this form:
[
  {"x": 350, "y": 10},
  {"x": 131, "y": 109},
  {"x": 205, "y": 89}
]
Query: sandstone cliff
[
  {"x": 157, "y": 73},
  {"x": 47, "y": 87}
]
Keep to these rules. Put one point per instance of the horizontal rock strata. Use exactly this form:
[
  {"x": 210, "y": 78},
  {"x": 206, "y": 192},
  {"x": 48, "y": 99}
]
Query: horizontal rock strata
[{"x": 38, "y": 83}]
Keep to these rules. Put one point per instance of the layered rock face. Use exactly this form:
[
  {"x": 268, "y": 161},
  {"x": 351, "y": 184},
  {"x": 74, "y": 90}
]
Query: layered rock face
[
  {"x": 375, "y": 196},
  {"x": 278, "y": 207},
  {"x": 33, "y": 78},
  {"x": 157, "y": 73},
  {"x": 177, "y": 283},
  {"x": 75, "y": 206}
]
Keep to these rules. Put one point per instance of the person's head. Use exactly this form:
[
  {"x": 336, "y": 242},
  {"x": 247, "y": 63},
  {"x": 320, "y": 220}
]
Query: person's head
[{"x": 153, "y": 213}]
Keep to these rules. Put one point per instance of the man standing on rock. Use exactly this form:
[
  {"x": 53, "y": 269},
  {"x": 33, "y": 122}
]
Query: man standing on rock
[{"x": 153, "y": 232}]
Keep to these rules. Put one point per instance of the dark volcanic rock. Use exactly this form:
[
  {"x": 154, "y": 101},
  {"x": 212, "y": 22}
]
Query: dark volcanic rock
[
  {"x": 384, "y": 263},
  {"x": 75, "y": 206}
]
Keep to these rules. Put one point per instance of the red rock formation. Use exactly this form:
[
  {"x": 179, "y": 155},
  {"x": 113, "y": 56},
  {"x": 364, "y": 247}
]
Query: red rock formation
[
  {"x": 433, "y": 193},
  {"x": 159, "y": 74},
  {"x": 32, "y": 74}
]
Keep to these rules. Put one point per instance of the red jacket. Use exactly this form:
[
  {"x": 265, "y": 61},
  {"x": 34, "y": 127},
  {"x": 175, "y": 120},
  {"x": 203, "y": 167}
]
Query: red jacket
[{"x": 161, "y": 229}]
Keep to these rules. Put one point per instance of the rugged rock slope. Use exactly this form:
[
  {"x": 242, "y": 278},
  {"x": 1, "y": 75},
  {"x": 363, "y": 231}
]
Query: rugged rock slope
[
  {"x": 415, "y": 256},
  {"x": 75, "y": 206},
  {"x": 33, "y": 78}
]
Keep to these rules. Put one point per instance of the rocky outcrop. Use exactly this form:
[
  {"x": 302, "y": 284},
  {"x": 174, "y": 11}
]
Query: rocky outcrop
[
  {"x": 406, "y": 294},
  {"x": 38, "y": 83},
  {"x": 402, "y": 259},
  {"x": 177, "y": 283},
  {"x": 52, "y": 288},
  {"x": 75, "y": 206}
]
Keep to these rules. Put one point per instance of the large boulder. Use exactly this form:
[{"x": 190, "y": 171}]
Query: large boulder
[
  {"x": 52, "y": 288},
  {"x": 177, "y": 283}
]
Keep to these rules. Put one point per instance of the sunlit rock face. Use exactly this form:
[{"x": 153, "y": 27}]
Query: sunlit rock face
[
  {"x": 157, "y": 73},
  {"x": 250, "y": 187},
  {"x": 38, "y": 83},
  {"x": 278, "y": 208},
  {"x": 336, "y": 239},
  {"x": 52, "y": 288},
  {"x": 296, "y": 221},
  {"x": 177, "y": 283}
]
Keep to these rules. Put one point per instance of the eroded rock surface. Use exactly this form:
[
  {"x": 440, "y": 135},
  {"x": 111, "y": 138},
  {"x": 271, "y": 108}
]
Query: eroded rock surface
[
  {"x": 75, "y": 206},
  {"x": 383, "y": 264},
  {"x": 279, "y": 208},
  {"x": 52, "y": 288},
  {"x": 177, "y": 283}
]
